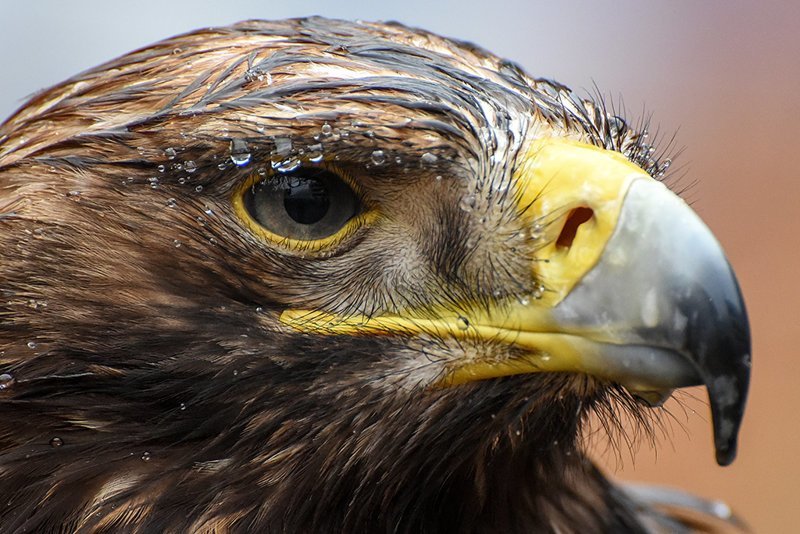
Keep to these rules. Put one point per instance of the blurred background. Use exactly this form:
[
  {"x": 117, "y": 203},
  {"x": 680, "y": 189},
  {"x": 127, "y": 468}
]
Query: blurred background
[{"x": 724, "y": 75}]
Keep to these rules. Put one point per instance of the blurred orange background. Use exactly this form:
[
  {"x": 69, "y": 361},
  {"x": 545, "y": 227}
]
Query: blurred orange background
[{"x": 724, "y": 75}]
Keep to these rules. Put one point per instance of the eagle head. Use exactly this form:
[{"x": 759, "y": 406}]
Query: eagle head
[{"x": 321, "y": 276}]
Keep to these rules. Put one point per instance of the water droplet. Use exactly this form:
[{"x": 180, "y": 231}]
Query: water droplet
[
  {"x": 326, "y": 129},
  {"x": 538, "y": 291},
  {"x": 6, "y": 381},
  {"x": 171, "y": 202},
  {"x": 74, "y": 193},
  {"x": 240, "y": 153},
  {"x": 177, "y": 243},
  {"x": 262, "y": 171},
  {"x": 190, "y": 166},
  {"x": 31, "y": 344},
  {"x": 56, "y": 442},
  {"x": 146, "y": 456},
  {"x": 198, "y": 188},
  {"x": 36, "y": 304},
  {"x": 524, "y": 301},
  {"x": 438, "y": 177},
  {"x": 536, "y": 231},
  {"x": 616, "y": 124},
  {"x": 462, "y": 323},
  {"x": 183, "y": 406},
  {"x": 467, "y": 203},
  {"x": 182, "y": 180},
  {"x": 208, "y": 211},
  {"x": 378, "y": 157},
  {"x": 253, "y": 74},
  {"x": 288, "y": 165},
  {"x": 170, "y": 153},
  {"x": 259, "y": 309},
  {"x": 315, "y": 153},
  {"x": 200, "y": 220},
  {"x": 428, "y": 158},
  {"x": 161, "y": 168},
  {"x": 153, "y": 180},
  {"x": 222, "y": 166}
]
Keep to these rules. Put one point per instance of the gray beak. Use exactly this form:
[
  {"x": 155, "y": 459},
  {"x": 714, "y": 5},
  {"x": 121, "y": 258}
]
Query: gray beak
[{"x": 666, "y": 310}]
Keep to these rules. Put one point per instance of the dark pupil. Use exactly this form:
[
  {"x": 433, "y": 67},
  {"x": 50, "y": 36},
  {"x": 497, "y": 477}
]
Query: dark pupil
[{"x": 306, "y": 199}]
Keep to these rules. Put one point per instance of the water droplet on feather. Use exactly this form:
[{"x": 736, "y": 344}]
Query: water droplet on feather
[
  {"x": 240, "y": 153},
  {"x": 6, "y": 381},
  {"x": 428, "y": 158},
  {"x": 378, "y": 157},
  {"x": 467, "y": 203}
]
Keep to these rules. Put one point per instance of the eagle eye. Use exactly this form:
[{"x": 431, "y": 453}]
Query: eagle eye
[{"x": 307, "y": 204}]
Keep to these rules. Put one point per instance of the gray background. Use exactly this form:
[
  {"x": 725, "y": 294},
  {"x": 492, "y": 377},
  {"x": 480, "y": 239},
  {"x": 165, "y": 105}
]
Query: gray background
[{"x": 725, "y": 75}]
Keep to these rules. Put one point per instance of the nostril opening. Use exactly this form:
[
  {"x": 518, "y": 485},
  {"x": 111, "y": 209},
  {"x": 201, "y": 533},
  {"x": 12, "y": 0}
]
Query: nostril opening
[{"x": 576, "y": 217}]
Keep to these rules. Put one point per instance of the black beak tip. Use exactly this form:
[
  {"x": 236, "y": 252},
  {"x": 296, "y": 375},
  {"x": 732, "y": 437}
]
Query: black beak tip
[
  {"x": 723, "y": 348},
  {"x": 728, "y": 396},
  {"x": 727, "y": 392},
  {"x": 726, "y": 453}
]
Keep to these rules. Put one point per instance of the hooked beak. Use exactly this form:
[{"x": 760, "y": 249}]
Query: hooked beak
[{"x": 665, "y": 309}]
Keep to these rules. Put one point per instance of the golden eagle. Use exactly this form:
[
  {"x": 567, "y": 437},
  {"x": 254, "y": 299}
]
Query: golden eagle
[{"x": 314, "y": 276}]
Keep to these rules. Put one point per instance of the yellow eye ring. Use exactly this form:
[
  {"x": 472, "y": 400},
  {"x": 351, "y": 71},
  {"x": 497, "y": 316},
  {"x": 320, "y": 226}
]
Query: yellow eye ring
[{"x": 277, "y": 190}]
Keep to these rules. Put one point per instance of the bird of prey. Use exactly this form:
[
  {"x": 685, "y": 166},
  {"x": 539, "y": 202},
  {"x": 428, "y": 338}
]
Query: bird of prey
[{"x": 314, "y": 276}]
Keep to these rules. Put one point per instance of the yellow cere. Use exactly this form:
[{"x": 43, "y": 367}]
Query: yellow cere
[{"x": 556, "y": 176}]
